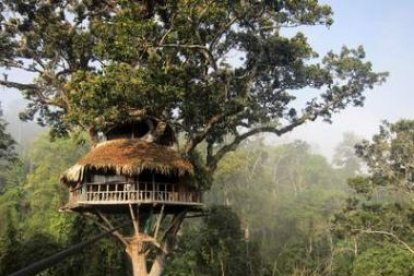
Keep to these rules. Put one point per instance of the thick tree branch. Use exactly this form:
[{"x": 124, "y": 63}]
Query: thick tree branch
[
  {"x": 212, "y": 165},
  {"x": 38, "y": 91},
  {"x": 198, "y": 138},
  {"x": 19, "y": 86},
  {"x": 134, "y": 219},
  {"x": 20, "y": 65}
]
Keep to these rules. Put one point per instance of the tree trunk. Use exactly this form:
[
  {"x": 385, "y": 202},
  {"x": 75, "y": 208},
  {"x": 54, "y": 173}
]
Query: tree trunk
[
  {"x": 136, "y": 253},
  {"x": 158, "y": 265},
  {"x": 139, "y": 245}
]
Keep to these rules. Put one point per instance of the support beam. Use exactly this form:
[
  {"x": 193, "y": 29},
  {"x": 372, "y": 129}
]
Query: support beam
[
  {"x": 134, "y": 218},
  {"x": 157, "y": 226}
]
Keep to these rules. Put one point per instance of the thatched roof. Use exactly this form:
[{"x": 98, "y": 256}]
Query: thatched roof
[{"x": 129, "y": 157}]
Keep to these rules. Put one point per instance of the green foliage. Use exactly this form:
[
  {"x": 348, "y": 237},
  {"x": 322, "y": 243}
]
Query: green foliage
[
  {"x": 12, "y": 203},
  {"x": 42, "y": 187},
  {"x": 378, "y": 217},
  {"x": 103, "y": 258},
  {"x": 386, "y": 260},
  {"x": 94, "y": 62},
  {"x": 9, "y": 248},
  {"x": 34, "y": 228},
  {"x": 7, "y": 151},
  {"x": 7, "y": 144},
  {"x": 215, "y": 246}
]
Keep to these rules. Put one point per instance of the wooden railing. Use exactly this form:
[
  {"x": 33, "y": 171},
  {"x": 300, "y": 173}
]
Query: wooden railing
[{"x": 119, "y": 192}]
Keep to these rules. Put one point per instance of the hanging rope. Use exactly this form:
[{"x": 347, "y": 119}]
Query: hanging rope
[{"x": 60, "y": 256}]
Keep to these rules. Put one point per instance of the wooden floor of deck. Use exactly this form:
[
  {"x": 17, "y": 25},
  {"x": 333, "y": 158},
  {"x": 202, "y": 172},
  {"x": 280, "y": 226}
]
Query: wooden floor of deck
[{"x": 123, "y": 207}]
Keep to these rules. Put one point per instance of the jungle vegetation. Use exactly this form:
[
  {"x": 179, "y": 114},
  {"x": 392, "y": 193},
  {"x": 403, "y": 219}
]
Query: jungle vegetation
[{"x": 274, "y": 210}]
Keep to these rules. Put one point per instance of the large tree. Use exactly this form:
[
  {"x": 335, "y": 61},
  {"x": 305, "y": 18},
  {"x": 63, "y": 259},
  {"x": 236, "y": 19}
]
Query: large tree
[{"x": 210, "y": 68}]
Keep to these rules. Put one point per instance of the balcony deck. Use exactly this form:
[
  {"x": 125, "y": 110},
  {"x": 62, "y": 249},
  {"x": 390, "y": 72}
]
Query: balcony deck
[{"x": 123, "y": 193}]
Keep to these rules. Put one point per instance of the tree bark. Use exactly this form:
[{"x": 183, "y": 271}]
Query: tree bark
[
  {"x": 135, "y": 250},
  {"x": 158, "y": 265}
]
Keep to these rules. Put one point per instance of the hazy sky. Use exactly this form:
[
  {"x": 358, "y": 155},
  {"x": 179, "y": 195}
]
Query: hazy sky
[{"x": 384, "y": 28}]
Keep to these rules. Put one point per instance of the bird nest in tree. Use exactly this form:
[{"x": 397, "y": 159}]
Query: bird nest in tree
[{"x": 129, "y": 157}]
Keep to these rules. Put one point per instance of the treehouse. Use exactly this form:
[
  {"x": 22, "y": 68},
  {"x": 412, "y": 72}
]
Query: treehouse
[{"x": 135, "y": 163}]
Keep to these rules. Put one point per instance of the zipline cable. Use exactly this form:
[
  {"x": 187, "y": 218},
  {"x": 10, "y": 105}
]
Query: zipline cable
[{"x": 60, "y": 256}]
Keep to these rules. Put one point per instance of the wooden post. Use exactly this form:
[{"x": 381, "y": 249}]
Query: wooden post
[{"x": 153, "y": 187}]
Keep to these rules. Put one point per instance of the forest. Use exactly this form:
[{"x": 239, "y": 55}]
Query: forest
[
  {"x": 273, "y": 210},
  {"x": 189, "y": 92}
]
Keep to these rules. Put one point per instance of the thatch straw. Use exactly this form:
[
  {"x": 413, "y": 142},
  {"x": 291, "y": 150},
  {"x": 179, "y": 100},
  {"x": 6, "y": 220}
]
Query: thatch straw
[{"x": 129, "y": 157}]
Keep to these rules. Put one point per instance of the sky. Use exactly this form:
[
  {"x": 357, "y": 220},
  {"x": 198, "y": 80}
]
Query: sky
[{"x": 384, "y": 28}]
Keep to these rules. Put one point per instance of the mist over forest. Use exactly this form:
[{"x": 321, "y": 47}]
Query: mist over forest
[{"x": 24, "y": 133}]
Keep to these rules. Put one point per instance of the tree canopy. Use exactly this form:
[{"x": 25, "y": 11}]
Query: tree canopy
[
  {"x": 210, "y": 68},
  {"x": 377, "y": 221}
]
